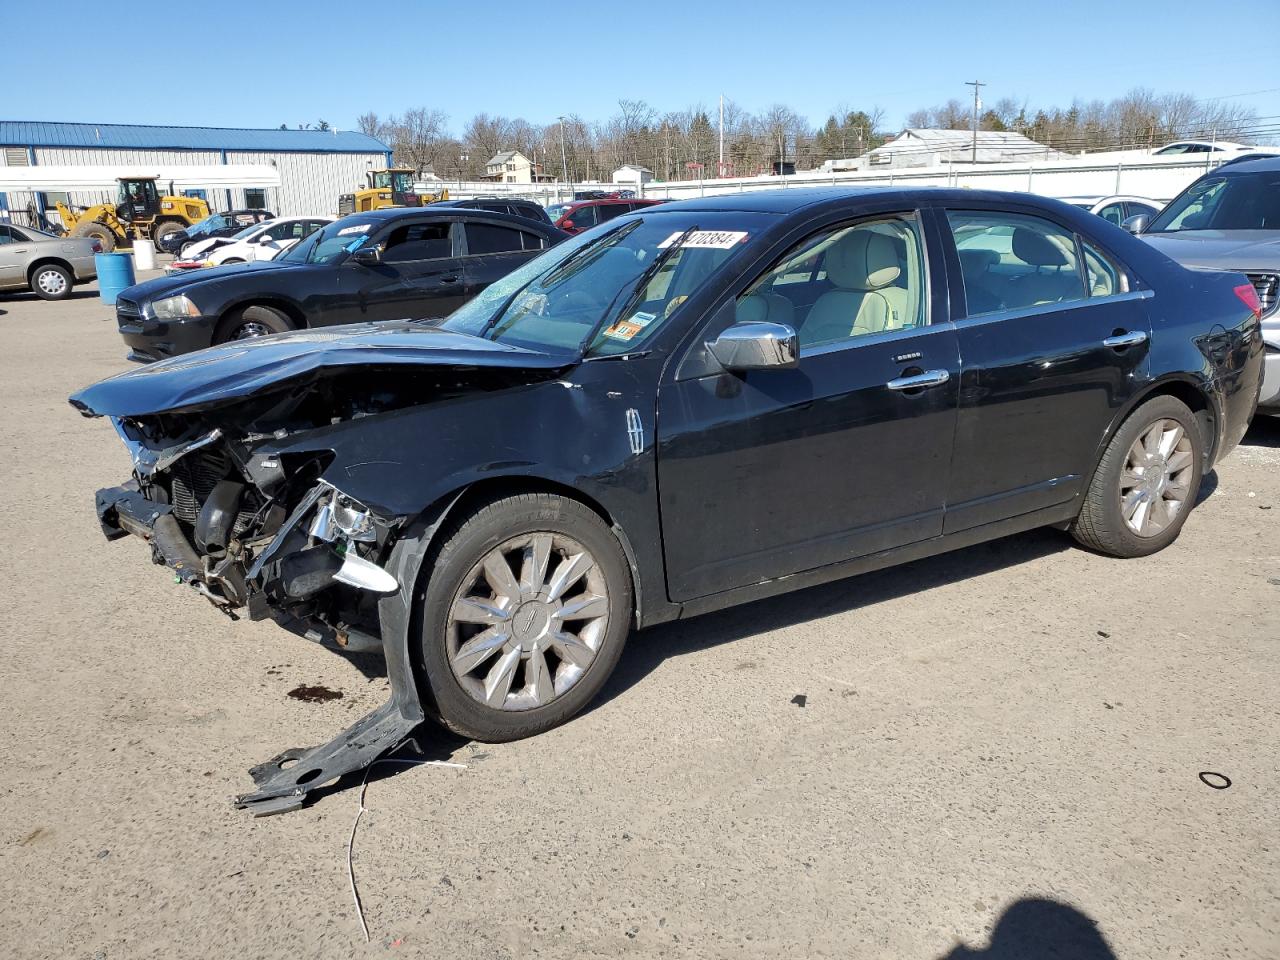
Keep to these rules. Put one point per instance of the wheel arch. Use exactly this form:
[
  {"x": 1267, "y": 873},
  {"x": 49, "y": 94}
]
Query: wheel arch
[
  {"x": 470, "y": 496},
  {"x": 1181, "y": 387},
  {"x": 48, "y": 261}
]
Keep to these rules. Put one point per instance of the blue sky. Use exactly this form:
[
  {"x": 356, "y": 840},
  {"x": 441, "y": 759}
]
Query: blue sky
[{"x": 575, "y": 57}]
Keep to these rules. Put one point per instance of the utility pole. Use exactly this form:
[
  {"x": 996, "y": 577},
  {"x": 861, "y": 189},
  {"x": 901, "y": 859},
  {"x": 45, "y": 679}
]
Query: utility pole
[
  {"x": 720, "y": 165},
  {"x": 564, "y": 163},
  {"x": 977, "y": 105}
]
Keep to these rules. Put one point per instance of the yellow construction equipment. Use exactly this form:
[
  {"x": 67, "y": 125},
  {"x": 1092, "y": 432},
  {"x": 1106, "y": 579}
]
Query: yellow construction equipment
[
  {"x": 139, "y": 212},
  {"x": 387, "y": 188}
]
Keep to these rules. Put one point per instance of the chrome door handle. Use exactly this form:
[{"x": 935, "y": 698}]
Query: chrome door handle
[
  {"x": 1126, "y": 339},
  {"x": 930, "y": 378}
]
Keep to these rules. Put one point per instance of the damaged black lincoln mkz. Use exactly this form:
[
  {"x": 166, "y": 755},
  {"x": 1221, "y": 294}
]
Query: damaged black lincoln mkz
[{"x": 690, "y": 407}]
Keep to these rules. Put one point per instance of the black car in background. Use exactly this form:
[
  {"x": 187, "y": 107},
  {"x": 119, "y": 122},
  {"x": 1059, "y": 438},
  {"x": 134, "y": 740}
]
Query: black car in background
[
  {"x": 216, "y": 225},
  {"x": 689, "y": 407},
  {"x": 382, "y": 265},
  {"x": 517, "y": 208}
]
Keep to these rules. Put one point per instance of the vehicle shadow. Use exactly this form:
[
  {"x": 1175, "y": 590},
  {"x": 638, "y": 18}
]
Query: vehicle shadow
[
  {"x": 1036, "y": 929},
  {"x": 650, "y": 648},
  {"x": 1263, "y": 432},
  {"x": 32, "y": 298}
]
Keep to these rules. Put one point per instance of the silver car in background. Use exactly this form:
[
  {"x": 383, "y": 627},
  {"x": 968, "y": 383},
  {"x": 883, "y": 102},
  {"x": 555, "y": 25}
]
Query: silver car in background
[
  {"x": 1229, "y": 220},
  {"x": 46, "y": 265}
]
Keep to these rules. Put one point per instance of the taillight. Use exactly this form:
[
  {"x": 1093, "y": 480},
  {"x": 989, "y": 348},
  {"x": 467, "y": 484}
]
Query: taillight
[
  {"x": 97, "y": 247},
  {"x": 1249, "y": 297}
]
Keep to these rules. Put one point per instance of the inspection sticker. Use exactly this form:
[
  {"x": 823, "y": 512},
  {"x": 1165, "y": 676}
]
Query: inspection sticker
[
  {"x": 708, "y": 239},
  {"x": 358, "y": 228},
  {"x": 627, "y": 329}
]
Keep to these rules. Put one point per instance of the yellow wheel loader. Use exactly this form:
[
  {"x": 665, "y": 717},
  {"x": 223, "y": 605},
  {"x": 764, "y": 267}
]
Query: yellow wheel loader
[
  {"x": 387, "y": 188},
  {"x": 139, "y": 212}
]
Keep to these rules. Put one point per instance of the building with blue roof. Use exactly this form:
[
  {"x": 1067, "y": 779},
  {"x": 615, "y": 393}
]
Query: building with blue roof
[{"x": 313, "y": 167}]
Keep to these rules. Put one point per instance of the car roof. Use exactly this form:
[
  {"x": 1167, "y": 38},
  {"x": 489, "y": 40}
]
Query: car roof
[
  {"x": 1261, "y": 163},
  {"x": 441, "y": 209},
  {"x": 790, "y": 200}
]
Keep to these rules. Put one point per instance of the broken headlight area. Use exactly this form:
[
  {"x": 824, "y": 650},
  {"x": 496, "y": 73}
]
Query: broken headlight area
[{"x": 251, "y": 530}]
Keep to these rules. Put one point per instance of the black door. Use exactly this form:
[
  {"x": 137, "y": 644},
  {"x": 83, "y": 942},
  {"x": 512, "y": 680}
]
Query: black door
[
  {"x": 1053, "y": 342},
  {"x": 772, "y": 472},
  {"x": 493, "y": 249},
  {"x": 420, "y": 275}
]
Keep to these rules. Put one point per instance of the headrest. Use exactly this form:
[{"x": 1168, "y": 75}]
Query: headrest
[
  {"x": 977, "y": 261},
  {"x": 862, "y": 260},
  {"x": 1036, "y": 249}
]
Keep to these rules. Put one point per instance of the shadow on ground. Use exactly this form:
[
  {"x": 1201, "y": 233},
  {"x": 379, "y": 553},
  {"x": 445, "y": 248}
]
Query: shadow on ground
[
  {"x": 1035, "y": 929},
  {"x": 1263, "y": 432},
  {"x": 32, "y": 298}
]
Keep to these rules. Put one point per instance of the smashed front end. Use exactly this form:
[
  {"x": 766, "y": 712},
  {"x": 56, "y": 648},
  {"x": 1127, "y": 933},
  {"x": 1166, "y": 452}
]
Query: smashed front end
[{"x": 237, "y": 488}]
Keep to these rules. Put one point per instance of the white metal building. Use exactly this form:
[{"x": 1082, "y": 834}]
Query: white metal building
[{"x": 312, "y": 167}]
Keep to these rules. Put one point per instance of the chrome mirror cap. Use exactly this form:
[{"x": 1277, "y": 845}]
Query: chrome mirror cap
[
  {"x": 756, "y": 346},
  {"x": 1137, "y": 223}
]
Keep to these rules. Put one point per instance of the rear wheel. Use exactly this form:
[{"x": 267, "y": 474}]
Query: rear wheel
[
  {"x": 526, "y": 612},
  {"x": 252, "y": 322},
  {"x": 1146, "y": 482},
  {"x": 51, "y": 282},
  {"x": 96, "y": 231},
  {"x": 230, "y": 260}
]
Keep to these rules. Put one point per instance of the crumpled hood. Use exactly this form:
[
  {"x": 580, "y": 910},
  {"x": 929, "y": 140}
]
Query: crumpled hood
[
  {"x": 244, "y": 367},
  {"x": 1220, "y": 249}
]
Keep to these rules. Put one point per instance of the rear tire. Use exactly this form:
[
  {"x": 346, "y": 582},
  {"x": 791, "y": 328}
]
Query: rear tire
[
  {"x": 51, "y": 282},
  {"x": 96, "y": 231},
  {"x": 252, "y": 322},
  {"x": 502, "y": 663},
  {"x": 1146, "y": 482}
]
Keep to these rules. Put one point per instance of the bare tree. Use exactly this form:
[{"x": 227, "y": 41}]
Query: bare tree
[{"x": 417, "y": 138}]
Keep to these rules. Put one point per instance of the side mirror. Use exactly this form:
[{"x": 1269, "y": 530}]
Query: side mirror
[
  {"x": 756, "y": 346},
  {"x": 566, "y": 224},
  {"x": 1137, "y": 223},
  {"x": 264, "y": 238},
  {"x": 368, "y": 256}
]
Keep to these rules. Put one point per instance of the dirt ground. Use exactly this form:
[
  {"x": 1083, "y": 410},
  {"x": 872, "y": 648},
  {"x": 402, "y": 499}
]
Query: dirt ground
[{"x": 996, "y": 752}]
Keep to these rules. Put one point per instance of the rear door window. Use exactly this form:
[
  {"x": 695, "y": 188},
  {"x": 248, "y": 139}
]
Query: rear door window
[
  {"x": 485, "y": 238},
  {"x": 1014, "y": 261}
]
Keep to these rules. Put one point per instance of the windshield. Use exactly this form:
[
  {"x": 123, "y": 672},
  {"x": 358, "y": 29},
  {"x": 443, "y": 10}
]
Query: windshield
[
  {"x": 606, "y": 292},
  {"x": 556, "y": 211},
  {"x": 1241, "y": 201},
  {"x": 398, "y": 181},
  {"x": 332, "y": 243}
]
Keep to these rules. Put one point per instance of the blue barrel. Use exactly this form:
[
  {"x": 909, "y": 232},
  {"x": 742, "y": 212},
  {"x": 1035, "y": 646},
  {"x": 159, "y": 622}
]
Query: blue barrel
[{"x": 115, "y": 274}]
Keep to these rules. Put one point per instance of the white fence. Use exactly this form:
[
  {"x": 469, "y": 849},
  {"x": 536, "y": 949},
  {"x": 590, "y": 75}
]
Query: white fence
[{"x": 1158, "y": 178}]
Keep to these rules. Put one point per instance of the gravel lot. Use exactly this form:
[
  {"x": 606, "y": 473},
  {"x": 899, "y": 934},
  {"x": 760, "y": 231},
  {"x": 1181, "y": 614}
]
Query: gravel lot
[{"x": 982, "y": 736}]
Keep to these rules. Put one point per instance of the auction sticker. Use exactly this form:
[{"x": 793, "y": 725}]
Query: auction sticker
[
  {"x": 627, "y": 329},
  {"x": 708, "y": 239},
  {"x": 358, "y": 228}
]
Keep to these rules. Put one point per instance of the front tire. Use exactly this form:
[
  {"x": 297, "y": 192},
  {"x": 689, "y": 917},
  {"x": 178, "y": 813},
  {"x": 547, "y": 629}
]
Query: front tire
[
  {"x": 166, "y": 229},
  {"x": 1146, "y": 482},
  {"x": 526, "y": 612},
  {"x": 252, "y": 322},
  {"x": 95, "y": 230},
  {"x": 51, "y": 282}
]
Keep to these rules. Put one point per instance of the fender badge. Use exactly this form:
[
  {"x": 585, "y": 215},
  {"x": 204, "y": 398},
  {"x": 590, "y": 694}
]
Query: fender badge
[{"x": 904, "y": 357}]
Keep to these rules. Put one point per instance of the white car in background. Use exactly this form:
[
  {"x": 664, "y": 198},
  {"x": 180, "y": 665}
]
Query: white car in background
[
  {"x": 262, "y": 241},
  {"x": 1116, "y": 209}
]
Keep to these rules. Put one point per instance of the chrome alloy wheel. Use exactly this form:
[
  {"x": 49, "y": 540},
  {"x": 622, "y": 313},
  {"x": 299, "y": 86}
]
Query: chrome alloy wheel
[
  {"x": 251, "y": 329},
  {"x": 527, "y": 621},
  {"x": 1154, "y": 485},
  {"x": 51, "y": 282}
]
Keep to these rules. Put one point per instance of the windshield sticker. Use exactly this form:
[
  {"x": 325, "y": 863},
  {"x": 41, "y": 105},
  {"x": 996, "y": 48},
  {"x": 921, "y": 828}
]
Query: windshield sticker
[
  {"x": 627, "y": 329},
  {"x": 358, "y": 228},
  {"x": 708, "y": 239}
]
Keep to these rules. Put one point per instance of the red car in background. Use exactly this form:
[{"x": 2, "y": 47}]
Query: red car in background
[{"x": 584, "y": 214}]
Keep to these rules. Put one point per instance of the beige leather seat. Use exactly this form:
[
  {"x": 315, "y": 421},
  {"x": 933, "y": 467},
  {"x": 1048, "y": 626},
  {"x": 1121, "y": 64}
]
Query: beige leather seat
[
  {"x": 769, "y": 307},
  {"x": 862, "y": 266}
]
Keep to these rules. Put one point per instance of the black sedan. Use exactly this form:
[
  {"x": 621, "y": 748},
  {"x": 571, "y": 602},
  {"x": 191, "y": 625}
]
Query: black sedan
[
  {"x": 216, "y": 225},
  {"x": 383, "y": 265},
  {"x": 690, "y": 407}
]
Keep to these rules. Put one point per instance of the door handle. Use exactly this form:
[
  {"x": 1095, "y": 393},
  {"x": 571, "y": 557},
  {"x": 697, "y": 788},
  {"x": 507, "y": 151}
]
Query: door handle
[
  {"x": 1121, "y": 340},
  {"x": 930, "y": 378},
  {"x": 448, "y": 279}
]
